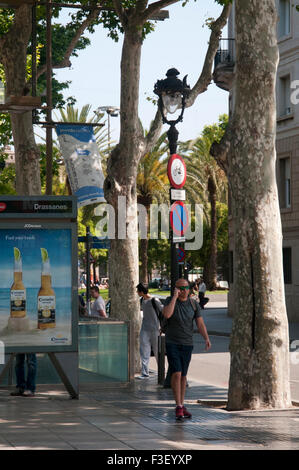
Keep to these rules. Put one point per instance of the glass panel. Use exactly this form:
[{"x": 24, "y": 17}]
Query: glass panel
[
  {"x": 103, "y": 352},
  {"x": 103, "y": 356}
]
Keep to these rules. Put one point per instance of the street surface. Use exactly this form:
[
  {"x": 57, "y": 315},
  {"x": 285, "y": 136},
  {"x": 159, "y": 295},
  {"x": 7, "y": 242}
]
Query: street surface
[{"x": 212, "y": 367}]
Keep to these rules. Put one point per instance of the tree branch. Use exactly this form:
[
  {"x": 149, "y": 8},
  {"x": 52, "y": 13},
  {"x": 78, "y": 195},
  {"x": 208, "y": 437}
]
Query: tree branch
[
  {"x": 206, "y": 74},
  {"x": 65, "y": 62},
  {"x": 156, "y": 7},
  {"x": 120, "y": 11},
  {"x": 154, "y": 132}
]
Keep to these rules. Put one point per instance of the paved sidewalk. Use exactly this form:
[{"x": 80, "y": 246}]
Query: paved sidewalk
[{"x": 140, "y": 416}]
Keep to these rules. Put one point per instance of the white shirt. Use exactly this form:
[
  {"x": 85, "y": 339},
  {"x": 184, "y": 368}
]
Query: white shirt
[
  {"x": 98, "y": 304},
  {"x": 202, "y": 287}
]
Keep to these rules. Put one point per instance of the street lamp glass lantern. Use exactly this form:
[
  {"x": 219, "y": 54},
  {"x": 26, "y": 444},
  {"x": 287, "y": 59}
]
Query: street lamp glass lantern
[
  {"x": 172, "y": 94},
  {"x": 172, "y": 101}
]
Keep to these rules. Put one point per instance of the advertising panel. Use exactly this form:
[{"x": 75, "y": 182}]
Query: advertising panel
[{"x": 36, "y": 287}]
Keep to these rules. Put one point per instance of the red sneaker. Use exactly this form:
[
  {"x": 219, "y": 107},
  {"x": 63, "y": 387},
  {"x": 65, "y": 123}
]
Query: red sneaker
[
  {"x": 186, "y": 413},
  {"x": 179, "y": 415}
]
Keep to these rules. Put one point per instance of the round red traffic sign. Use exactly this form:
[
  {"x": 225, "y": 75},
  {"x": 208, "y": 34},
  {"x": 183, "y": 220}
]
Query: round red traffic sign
[
  {"x": 179, "y": 219},
  {"x": 176, "y": 171}
]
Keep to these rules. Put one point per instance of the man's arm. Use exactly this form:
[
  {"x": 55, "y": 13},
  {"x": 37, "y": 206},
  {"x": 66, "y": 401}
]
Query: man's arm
[
  {"x": 203, "y": 331},
  {"x": 169, "y": 309}
]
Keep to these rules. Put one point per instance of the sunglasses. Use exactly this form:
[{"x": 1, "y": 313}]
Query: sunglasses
[{"x": 183, "y": 288}]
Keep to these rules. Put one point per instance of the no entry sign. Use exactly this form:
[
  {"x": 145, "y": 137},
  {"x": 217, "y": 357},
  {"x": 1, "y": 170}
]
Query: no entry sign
[
  {"x": 176, "y": 171},
  {"x": 179, "y": 219}
]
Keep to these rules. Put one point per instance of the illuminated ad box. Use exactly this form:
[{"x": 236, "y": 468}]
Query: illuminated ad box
[{"x": 38, "y": 273}]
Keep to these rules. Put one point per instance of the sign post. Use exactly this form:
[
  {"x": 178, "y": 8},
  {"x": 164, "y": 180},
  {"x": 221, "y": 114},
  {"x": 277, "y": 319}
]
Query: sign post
[{"x": 177, "y": 174}]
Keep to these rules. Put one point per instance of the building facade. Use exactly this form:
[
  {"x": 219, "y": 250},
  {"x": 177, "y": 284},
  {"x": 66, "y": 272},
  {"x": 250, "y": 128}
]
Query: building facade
[{"x": 287, "y": 142}]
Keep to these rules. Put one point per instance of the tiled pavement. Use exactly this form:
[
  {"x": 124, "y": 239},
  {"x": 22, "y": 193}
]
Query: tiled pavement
[{"x": 139, "y": 416}]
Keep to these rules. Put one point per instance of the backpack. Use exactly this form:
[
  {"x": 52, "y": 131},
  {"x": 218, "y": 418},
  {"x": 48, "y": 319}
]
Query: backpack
[{"x": 162, "y": 320}]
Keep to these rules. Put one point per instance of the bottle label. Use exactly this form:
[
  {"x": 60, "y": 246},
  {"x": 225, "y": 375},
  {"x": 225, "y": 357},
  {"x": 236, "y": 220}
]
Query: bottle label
[
  {"x": 17, "y": 300},
  {"x": 46, "y": 309}
]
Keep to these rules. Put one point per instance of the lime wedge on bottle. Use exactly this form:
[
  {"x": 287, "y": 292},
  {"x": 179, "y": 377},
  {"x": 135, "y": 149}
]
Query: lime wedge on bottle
[
  {"x": 17, "y": 254},
  {"x": 45, "y": 256}
]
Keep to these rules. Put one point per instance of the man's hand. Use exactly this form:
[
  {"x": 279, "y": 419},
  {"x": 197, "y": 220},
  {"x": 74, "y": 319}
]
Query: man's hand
[
  {"x": 176, "y": 292},
  {"x": 208, "y": 344}
]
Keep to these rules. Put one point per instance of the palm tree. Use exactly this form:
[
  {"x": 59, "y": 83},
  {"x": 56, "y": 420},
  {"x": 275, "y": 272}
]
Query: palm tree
[
  {"x": 207, "y": 181},
  {"x": 152, "y": 185}
]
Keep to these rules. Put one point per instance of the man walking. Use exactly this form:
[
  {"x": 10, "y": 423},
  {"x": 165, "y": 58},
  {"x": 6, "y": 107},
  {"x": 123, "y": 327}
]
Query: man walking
[
  {"x": 201, "y": 293},
  {"x": 180, "y": 314},
  {"x": 98, "y": 306},
  {"x": 150, "y": 328}
]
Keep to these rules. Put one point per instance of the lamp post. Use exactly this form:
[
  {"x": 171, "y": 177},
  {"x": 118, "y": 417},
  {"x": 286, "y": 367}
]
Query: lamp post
[
  {"x": 112, "y": 111},
  {"x": 172, "y": 93}
]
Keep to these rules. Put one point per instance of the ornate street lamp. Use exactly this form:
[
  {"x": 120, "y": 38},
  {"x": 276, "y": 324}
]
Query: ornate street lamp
[{"x": 172, "y": 93}]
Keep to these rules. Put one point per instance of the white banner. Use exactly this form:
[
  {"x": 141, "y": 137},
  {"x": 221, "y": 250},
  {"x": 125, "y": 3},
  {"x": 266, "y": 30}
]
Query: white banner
[{"x": 83, "y": 162}]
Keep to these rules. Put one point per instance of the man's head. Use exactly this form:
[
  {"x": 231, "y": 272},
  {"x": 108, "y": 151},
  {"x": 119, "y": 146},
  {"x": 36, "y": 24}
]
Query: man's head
[
  {"x": 95, "y": 292},
  {"x": 142, "y": 289},
  {"x": 183, "y": 286}
]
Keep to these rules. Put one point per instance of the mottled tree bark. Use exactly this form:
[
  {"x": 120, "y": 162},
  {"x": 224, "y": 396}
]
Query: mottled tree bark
[
  {"x": 13, "y": 54},
  {"x": 210, "y": 274},
  {"x": 259, "y": 374}
]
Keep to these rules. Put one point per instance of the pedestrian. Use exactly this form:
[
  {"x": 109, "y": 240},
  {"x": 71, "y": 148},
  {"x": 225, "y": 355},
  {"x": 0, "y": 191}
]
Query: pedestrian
[
  {"x": 150, "y": 328},
  {"x": 180, "y": 314},
  {"x": 201, "y": 293},
  {"x": 25, "y": 387},
  {"x": 98, "y": 306},
  {"x": 81, "y": 306}
]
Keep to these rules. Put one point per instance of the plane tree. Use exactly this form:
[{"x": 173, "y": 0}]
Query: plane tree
[{"x": 259, "y": 373}]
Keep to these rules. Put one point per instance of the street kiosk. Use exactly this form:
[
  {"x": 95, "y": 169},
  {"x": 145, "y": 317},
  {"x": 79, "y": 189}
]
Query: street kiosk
[{"x": 39, "y": 281}]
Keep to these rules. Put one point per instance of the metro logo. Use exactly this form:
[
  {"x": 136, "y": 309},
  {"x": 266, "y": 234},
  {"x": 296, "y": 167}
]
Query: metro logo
[{"x": 2, "y": 206}]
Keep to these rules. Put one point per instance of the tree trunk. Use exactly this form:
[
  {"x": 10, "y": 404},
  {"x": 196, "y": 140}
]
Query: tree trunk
[
  {"x": 211, "y": 271},
  {"x": 143, "y": 260},
  {"x": 121, "y": 182},
  {"x": 13, "y": 54},
  {"x": 259, "y": 374}
]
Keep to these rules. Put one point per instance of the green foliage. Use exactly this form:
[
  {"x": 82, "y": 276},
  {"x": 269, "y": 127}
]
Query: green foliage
[
  {"x": 56, "y": 162},
  {"x": 159, "y": 256},
  {"x": 7, "y": 180},
  {"x": 201, "y": 257}
]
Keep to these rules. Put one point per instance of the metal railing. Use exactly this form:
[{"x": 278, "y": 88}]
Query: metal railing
[{"x": 226, "y": 52}]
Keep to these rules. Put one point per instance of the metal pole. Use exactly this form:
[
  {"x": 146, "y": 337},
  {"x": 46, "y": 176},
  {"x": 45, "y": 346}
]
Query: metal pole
[
  {"x": 161, "y": 359},
  {"x": 33, "y": 51},
  {"x": 49, "y": 164},
  {"x": 172, "y": 135},
  {"x": 108, "y": 131},
  {"x": 87, "y": 266}
]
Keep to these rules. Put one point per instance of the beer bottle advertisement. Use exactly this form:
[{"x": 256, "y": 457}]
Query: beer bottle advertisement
[{"x": 35, "y": 287}]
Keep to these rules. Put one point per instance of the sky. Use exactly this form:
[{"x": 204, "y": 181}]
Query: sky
[{"x": 180, "y": 42}]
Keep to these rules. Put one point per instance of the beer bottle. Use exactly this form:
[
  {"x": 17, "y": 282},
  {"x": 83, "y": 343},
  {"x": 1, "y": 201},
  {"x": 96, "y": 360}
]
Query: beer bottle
[
  {"x": 46, "y": 300},
  {"x": 17, "y": 290}
]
